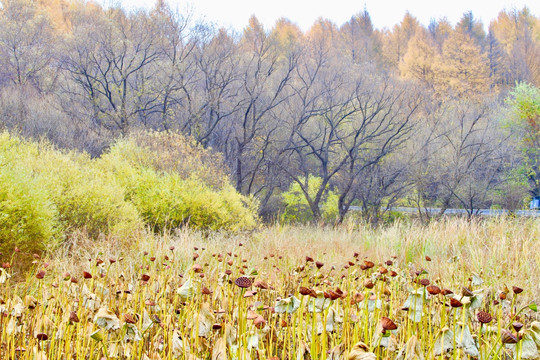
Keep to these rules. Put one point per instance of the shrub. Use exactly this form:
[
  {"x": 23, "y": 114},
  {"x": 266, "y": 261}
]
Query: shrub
[
  {"x": 81, "y": 196},
  {"x": 166, "y": 199},
  {"x": 175, "y": 153},
  {"x": 85, "y": 199},
  {"x": 27, "y": 217},
  {"x": 47, "y": 193}
]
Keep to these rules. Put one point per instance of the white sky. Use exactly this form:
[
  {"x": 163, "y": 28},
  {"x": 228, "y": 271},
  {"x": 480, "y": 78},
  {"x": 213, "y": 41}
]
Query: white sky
[{"x": 384, "y": 13}]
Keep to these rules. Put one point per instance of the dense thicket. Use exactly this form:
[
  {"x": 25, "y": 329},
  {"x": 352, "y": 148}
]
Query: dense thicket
[
  {"x": 48, "y": 194},
  {"x": 363, "y": 116}
]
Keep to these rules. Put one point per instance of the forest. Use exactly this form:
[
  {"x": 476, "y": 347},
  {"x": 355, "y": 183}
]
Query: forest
[{"x": 308, "y": 123}]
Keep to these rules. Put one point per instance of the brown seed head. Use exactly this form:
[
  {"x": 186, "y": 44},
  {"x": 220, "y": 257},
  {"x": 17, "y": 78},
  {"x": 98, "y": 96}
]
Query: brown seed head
[
  {"x": 467, "y": 292},
  {"x": 387, "y": 324},
  {"x": 517, "y": 326},
  {"x": 304, "y": 291},
  {"x": 424, "y": 282},
  {"x": 368, "y": 264},
  {"x": 368, "y": 284},
  {"x": 356, "y": 298},
  {"x": 87, "y": 275},
  {"x": 73, "y": 317},
  {"x": 41, "y": 274},
  {"x": 334, "y": 295},
  {"x": 259, "y": 322},
  {"x": 484, "y": 317},
  {"x": 261, "y": 285},
  {"x": 42, "y": 337},
  {"x": 206, "y": 291},
  {"x": 129, "y": 319},
  {"x": 517, "y": 290},
  {"x": 455, "y": 303},
  {"x": 243, "y": 282},
  {"x": 433, "y": 289},
  {"x": 508, "y": 338}
]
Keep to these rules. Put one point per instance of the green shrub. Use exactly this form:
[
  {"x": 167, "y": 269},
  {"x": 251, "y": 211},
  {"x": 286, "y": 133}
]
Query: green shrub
[
  {"x": 28, "y": 219},
  {"x": 85, "y": 199},
  {"x": 46, "y": 194},
  {"x": 81, "y": 196},
  {"x": 167, "y": 200}
]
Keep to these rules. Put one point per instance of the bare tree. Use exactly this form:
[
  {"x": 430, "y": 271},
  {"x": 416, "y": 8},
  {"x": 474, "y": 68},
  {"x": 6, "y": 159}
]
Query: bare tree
[
  {"x": 108, "y": 66},
  {"x": 27, "y": 45},
  {"x": 462, "y": 157},
  {"x": 347, "y": 120},
  {"x": 267, "y": 77},
  {"x": 383, "y": 124},
  {"x": 214, "y": 99}
]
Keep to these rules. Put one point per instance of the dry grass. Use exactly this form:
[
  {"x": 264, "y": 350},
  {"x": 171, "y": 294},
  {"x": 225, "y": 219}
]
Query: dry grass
[{"x": 170, "y": 309}]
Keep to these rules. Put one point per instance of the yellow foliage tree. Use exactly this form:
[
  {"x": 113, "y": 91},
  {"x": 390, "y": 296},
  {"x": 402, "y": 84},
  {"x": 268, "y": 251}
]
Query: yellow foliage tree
[
  {"x": 462, "y": 69},
  {"x": 323, "y": 35},
  {"x": 439, "y": 30},
  {"x": 518, "y": 33},
  {"x": 287, "y": 34},
  {"x": 418, "y": 62},
  {"x": 395, "y": 42},
  {"x": 359, "y": 40}
]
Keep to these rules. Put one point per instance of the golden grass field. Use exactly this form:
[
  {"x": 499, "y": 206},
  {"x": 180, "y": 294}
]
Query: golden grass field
[{"x": 282, "y": 292}]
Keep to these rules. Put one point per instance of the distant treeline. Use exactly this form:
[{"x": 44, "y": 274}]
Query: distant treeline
[{"x": 308, "y": 123}]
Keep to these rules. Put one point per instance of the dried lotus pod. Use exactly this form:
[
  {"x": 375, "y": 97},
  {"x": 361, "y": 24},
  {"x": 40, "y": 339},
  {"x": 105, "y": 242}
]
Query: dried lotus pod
[
  {"x": 467, "y": 292},
  {"x": 243, "y": 282},
  {"x": 433, "y": 289},
  {"x": 484, "y": 317},
  {"x": 387, "y": 324},
  {"x": 455, "y": 303},
  {"x": 508, "y": 338}
]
